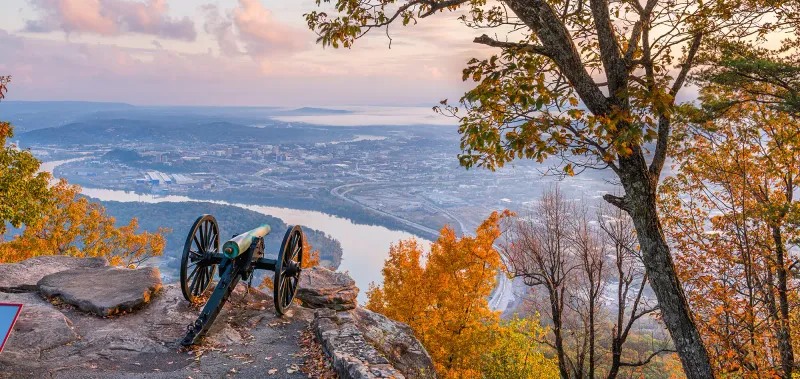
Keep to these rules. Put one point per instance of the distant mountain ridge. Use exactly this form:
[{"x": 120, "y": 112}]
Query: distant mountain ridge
[
  {"x": 31, "y": 115},
  {"x": 307, "y": 111},
  {"x": 116, "y": 131},
  {"x": 68, "y": 104}
]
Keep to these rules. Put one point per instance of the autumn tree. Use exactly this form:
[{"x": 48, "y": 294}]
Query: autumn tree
[
  {"x": 22, "y": 187},
  {"x": 55, "y": 219},
  {"x": 445, "y": 302},
  {"x": 731, "y": 207},
  {"x": 574, "y": 256},
  {"x": 72, "y": 225},
  {"x": 591, "y": 82}
]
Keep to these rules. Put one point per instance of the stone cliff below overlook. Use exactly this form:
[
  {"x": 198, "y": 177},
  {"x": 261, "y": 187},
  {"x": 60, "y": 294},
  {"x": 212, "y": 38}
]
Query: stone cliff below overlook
[{"x": 84, "y": 319}]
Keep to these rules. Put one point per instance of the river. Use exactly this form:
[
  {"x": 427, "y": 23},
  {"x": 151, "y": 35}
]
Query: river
[{"x": 364, "y": 247}]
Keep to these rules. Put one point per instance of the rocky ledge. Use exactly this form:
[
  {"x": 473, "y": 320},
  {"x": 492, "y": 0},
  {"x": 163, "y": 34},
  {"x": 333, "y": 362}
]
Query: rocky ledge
[{"x": 84, "y": 319}]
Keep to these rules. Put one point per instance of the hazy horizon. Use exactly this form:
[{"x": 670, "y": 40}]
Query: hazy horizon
[{"x": 219, "y": 53}]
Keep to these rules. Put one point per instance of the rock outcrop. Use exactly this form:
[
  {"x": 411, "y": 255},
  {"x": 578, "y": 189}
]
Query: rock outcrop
[
  {"x": 361, "y": 343},
  {"x": 59, "y": 333},
  {"x": 103, "y": 291},
  {"x": 23, "y": 276},
  {"x": 323, "y": 288},
  {"x": 396, "y": 341},
  {"x": 352, "y": 356}
]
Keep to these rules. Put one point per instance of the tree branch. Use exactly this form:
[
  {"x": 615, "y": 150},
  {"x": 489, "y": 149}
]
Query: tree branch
[
  {"x": 615, "y": 68},
  {"x": 619, "y": 202},
  {"x": 646, "y": 361},
  {"x": 545, "y": 23},
  {"x": 664, "y": 122},
  {"x": 520, "y": 47}
]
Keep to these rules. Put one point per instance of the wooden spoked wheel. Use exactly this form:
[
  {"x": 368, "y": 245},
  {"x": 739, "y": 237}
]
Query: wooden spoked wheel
[
  {"x": 287, "y": 269},
  {"x": 197, "y": 264}
]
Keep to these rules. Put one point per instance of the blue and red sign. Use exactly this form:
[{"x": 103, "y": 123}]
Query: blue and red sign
[{"x": 8, "y": 316}]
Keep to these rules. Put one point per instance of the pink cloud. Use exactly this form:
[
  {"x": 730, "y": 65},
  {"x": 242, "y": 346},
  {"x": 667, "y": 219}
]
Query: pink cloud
[
  {"x": 253, "y": 27},
  {"x": 110, "y": 17},
  {"x": 45, "y": 69},
  {"x": 261, "y": 32}
]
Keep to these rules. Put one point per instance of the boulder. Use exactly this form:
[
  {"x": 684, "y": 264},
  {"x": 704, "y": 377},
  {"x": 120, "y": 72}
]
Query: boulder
[
  {"x": 23, "y": 276},
  {"x": 396, "y": 341},
  {"x": 352, "y": 356},
  {"x": 323, "y": 288},
  {"x": 40, "y": 327},
  {"x": 103, "y": 291}
]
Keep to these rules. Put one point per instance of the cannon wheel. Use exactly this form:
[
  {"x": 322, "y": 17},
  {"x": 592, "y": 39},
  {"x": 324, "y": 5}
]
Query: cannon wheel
[
  {"x": 197, "y": 265},
  {"x": 287, "y": 269}
]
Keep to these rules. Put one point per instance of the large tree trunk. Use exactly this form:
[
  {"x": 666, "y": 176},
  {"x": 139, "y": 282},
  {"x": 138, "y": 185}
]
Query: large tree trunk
[{"x": 640, "y": 203}]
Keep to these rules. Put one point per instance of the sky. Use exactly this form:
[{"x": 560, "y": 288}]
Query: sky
[{"x": 222, "y": 53}]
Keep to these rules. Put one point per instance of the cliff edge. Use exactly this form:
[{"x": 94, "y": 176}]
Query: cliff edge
[{"x": 84, "y": 319}]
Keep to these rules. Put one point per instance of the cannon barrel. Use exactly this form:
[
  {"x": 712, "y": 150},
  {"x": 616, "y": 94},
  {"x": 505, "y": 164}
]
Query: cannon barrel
[{"x": 239, "y": 244}]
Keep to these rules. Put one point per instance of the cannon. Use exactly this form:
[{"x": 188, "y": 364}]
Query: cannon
[{"x": 235, "y": 261}]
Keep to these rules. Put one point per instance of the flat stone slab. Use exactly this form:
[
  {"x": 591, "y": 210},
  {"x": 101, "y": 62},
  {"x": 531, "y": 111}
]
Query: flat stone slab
[
  {"x": 39, "y": 327},
  {"x": 103, "y": 291},
  {"x": 323, "y": 288},
  {"x": 23, "y": 276}
]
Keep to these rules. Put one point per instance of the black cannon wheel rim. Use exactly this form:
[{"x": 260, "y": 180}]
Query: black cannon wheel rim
[
  {"x": 197, "y": 269},
  {"x": 287, "y": 269}
]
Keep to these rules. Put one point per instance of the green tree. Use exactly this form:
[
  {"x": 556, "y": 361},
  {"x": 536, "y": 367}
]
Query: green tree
[
  {"x": 56, "y": 219},
  {"x": 739, "y": 72},
  {"x": 22, "y": 187},
  {"x": 517, "y": 352},
  {"x": 590, "y": 82}
]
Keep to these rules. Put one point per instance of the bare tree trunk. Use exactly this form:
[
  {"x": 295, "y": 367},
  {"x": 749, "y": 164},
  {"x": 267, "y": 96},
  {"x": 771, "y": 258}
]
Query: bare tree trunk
[
  {"x": 556, "y": 310},
  {"x": 783, "y": 333},
  {"x": 592, "y": 302},
  {"x": 640, "y": 202}
]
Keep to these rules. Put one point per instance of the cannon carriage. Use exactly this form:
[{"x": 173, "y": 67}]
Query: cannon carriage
[{"x": 235, "y": 260}]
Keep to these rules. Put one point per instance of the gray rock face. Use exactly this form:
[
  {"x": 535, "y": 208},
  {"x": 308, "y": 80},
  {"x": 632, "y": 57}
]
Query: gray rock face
[
  {"x": 396, "y": 341},
  {"x": 323, "y": 288},
  {"x": 103, "y": 291},
  {"x": 353, "y": 357},
  {"x": 248, "y": 338},
  {"x": 40, "y": 327},
  {"x": 23, "y": 276}
]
